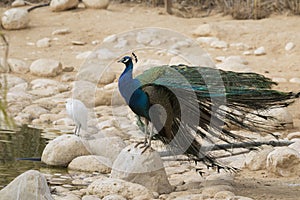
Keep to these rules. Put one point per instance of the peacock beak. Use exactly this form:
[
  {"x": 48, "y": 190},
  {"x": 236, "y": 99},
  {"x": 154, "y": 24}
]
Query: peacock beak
[{"x": 120, "y": 60}]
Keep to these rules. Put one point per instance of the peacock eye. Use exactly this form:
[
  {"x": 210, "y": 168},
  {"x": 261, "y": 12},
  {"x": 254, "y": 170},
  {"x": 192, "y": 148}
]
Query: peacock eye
[{"x": 126, "y": 60}]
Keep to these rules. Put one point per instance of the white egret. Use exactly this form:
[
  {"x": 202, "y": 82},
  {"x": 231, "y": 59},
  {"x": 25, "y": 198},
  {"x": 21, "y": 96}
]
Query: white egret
[{"x": 79, "y": 113}]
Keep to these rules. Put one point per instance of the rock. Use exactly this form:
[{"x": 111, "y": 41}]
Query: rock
[
  {"x": 203, "y": 30},
  {"x": 68, "y": 196},
  {"x": 295, "y": 80},
  {"x": 256, "y": 160},
  {"x": 279, "y": 80},
  {"x": 67, "y": 78},
  {"x": 218, "y": 44},
  {"x": 247, "y": 53},
  {"x": 12, "y": 80},
  {"x": 61, "y": 5},
  {"x": 282, "y": 118},
  {"x": 18, "y": 66},
  {"x": 63, "y": 31},
  {"x": 211, "y": 191},
  {"x": 189, "y": 197},
  {"x": 235, "y": 59},
  {"x": 293, "y": 135},
  {"x": 42, "y": 43},
  {"x": 110, "y": 38},
  {"x": 96, "y": 4},
  {"x": 113, "y": 197},
  {"x": 134, "y": 166},
  {"x": 63, "y": 149},
  {"x": 18, "y": 3},
  {"x": 68, "y": 69},
  {"x": 108, "y": 186},
  {"x": 206, "y": 40},
  {"x": 240, "y": 198},
  {"x": 295, "y": 145},
  {"x": 93, "y": 197},
  {"x": 108, "y": 147},
  {"x": 237, "y": 67},
  {"x": 83, "y": 55},
  {"x": 35, "y": 111},
  {"x": 260, "y": 51},
  {"x": 29, "y": 185},
  {"x": 240, "y": 46},
  {"x": 46, "y": 67},
  {"x": 91, "y": 163},
  {"x": 15, "y": 18},
  {"x": 284, "y": 161},
  {"x": 77, "y": 42},
  {"x": 222, "y": 195},
  {"x": 289, "y": 46}
]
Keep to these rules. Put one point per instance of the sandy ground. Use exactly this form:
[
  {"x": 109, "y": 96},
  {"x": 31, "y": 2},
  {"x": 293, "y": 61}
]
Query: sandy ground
[{"x": 90, "y": 25}]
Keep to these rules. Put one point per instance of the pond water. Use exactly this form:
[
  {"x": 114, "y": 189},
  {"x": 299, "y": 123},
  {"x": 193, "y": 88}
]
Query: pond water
[{"x": 24, "y": 142}]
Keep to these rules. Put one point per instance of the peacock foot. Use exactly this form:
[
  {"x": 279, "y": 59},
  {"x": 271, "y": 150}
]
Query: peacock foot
[{"x": 143, "y": 145}]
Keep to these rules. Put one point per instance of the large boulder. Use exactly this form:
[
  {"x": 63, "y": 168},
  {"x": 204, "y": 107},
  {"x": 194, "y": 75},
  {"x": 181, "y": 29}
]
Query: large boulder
[
  {"x": 29, "y": 185},
  {"x": 284, "y": 161},
  {"x": 15, "y": 18},
  {"x": 63, "y": 149},
  {"x": 136, "y": 166}
]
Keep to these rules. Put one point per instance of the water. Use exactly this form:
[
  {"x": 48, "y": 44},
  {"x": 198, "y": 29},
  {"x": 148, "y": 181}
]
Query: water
[{"x": 22, "y": 143}]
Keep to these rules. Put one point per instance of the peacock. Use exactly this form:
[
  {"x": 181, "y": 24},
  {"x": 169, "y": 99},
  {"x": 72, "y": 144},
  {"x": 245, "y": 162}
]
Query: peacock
[{"x": 190, "y": 104}]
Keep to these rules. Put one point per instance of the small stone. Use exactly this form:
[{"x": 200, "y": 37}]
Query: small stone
[
  {"x": 294, "y": 135},
  {"x": 289, "y": 46},
  {"x": 18, "y": 66},
  {"x": 46, "y": 67},
  {"x": 203, "y": 30},
  {"x": 61, "y": 5},
  {"x": 68, "y": 69},
  {"x": 96, "y": 4},
  {"x": 240, "y": 46},
  {"x": 91, "y": 197},
  {"x": 295, "y": 145},
  {"x": 114, "y": 197},
  {"x": 279, "y": 80},
  {"x": 35, "y": 111},
  {"x": 235, "y": 59},
  {"x": 207, "y": 40},
  {"x": 91, "y": 163},
  {"x": 29, "y": 185},
  {"x": 219, "y": 44},
  {"x": 260, "y": 51},
  {"x": 295, "y": 80},
  {"x": 18, "y": 3},
  {"x": 222, "y": 195},
  {"x": 247, "y": 53},
  {"x": 95, "y": 42},
  {"x": 284, "y": 161},
  {"x": 42, "y": 43},
  {"x": 256, "y": 160},
  {"x": 15, "y": 18},
  {"x": 211, "y": 191},
  {"x": 240, "y": 198},
  {"x": 63, "y": 31},
  {"x": 110, "y": 39},
  {"x": 76, "y": 42}
]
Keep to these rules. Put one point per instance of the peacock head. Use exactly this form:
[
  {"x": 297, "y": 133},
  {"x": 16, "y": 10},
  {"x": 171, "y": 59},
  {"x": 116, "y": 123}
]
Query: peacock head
[{"x": 127, "y": 60}]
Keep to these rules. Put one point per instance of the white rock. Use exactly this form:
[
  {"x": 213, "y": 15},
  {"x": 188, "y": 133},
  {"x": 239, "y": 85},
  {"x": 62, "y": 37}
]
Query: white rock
[
  {"x": 295, "y": 80},
  {"x": 61, "y": 5},
  {"x": 15, "y": 18},
  {"x": 240, "y": 46},
  {"x": 46, "y": 67},
  {"x": 110, "y": 39},
  {"x": 289, "y": 46},
  {"x": 29, "y": 185},
  {"x": 240, "y": 198},
  {"x": 18, "y": 3},
  {"x": 108, "y": 147},
  {"x": 63, "y": 149},
  {"x": 107, "y": 186},
  {"x": 284, "y": 161},
  {"x": 260, "y": 51},
  {"x": 295, "y": 145},
  {"x": 211, "y": 191},
  {"x": 83, "y": 55},
  {"x": 63, "y": 31},
  {"x": 12, "y": 80},
  {"x": 91, "y": 163},
  {"x": 256, "y": 160},
  {"x": 18, "y": 66},
  {"x": 247, "y": 53},
  {"x": 114, "y": 197},
  {"x": 97, "y": 4},
  {"x": 237, "y": 67},
  {"x": 134, "y": 166},
  {"x": 42, "y": 43},
  {"x": 279, "y": 80},
  {"x": 203, "y": 30},
  {"x": 92, "y": 197},
  {"x": 35, "y": 111},
  {"x": 222, "y": 195},
  {"x": 190, "y": 197},
  {"x": 293, "y": 135},
  {"x": 218, "y": 44},
  {"x": 235, "y": 59},
  {"x": 206, "y": 40}
]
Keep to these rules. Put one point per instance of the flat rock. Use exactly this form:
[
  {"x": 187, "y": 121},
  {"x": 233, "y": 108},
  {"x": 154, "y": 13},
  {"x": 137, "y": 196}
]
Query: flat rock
[
  {"x": 46, "y": 67},
  {"x": 211, "y": 191},
  {"x": 61, "y": 5},
  {"x": 206, "y": 40},
  {"x": 284, "y": 161},
  {"x": 62, "y": 31},
  {"x": 108, "y": 186},
  {"x": 134, "y": 166},
  {"x": 96, "y": 4},
  {"x": 29, "y": 185},
  {"x": 92, "y": 197},
  {"x": 241, "y": 198},
  {"x": 18, "y": 66},
  {"x": 18, "y": 3},
  {"x": 204, "y": 30},
  {"x": 91, "y": 163},
  {"x": 289, "y": 46},
  {"x": 222, "y": 195},
  {"x": 189, "y": 197},
  {"x": 15, "y": 18},
  {"x": 42, "y": 43},
  {"x": 219, "y": 44},
  {"x": 63, "y": 149},
  {"x": 260, "y": 51},
  {"x": 114, "y": 197},
  {"x": 293, "y": 135},
  {"x": 35, "y": 111},
  {"x": 295, "y": 80}
]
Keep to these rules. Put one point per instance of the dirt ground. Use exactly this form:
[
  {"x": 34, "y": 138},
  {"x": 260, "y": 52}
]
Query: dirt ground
[{"x": 89, "y": 25}]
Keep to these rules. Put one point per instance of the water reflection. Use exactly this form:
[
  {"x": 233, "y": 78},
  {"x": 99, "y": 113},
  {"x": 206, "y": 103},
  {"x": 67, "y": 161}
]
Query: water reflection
[{"x": 22, "y": 143}]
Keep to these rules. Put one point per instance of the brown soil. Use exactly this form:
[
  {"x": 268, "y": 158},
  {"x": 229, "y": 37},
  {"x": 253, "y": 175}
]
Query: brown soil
[{"x": 88, "y": 25}]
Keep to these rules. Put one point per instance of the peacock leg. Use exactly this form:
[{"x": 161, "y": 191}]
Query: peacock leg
[{"x": 75, "y": 131}]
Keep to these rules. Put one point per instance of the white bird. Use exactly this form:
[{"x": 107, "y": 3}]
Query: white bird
[{"x": 78, "y": 113}]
